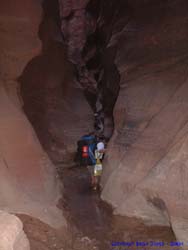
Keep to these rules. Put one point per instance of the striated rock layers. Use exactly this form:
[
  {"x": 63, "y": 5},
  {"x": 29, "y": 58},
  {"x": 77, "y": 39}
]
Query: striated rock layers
[
  {"x": 27, "y": 179},
  {"x": 146, "y": 167}
]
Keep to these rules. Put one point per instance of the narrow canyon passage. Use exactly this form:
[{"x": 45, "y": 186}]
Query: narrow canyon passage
[
  {"x": 71, "y": 67},
  {"x": 60, "y": 113}
]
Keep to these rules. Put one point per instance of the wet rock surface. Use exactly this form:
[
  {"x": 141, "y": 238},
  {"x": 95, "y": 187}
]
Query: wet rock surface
[
  {"x": 91, "y": 224},
  {"x": 94, "y": 220}
]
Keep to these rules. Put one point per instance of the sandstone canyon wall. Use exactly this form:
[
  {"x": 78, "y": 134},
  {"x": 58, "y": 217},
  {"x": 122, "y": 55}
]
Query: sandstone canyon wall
[
  {"x": 27, "y": 179},
  {"x": 136, "y": 50},
  {"x": 86, "y": 27},
  {"x": 146, "y": 167},
  {"x": 53, "y": 99}
]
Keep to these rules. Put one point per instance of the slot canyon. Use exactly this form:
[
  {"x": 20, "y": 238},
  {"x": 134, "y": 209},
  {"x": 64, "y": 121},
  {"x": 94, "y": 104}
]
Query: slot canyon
[{"x": 65, "y": 65}]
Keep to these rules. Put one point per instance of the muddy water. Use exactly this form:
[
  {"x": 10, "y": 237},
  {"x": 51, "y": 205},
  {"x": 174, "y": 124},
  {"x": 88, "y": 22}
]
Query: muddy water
[{"x": 94, "y": 218}]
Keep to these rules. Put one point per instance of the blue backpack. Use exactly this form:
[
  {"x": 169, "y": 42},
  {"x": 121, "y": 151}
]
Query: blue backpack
[{"x": 86, "y": 150}]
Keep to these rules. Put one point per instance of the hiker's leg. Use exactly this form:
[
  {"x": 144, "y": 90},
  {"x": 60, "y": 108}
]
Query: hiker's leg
[
  {"x": 93, "y": 180},
  {"x": 91, "y": 172}
]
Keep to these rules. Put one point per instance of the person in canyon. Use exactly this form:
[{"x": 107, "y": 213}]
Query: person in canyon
[{"x": 97, "y": 168}]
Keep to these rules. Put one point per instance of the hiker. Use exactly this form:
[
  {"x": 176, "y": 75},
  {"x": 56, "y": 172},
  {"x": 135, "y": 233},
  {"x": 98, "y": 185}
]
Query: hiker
[
  {"x": 86, "y": 148},
  {"x": 97, "y": 168},
  {"x": 90, "y": 153}
]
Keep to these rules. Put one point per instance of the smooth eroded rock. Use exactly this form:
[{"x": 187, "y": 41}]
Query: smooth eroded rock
[
  {"x": 146, "y": 165},
  {"x": 12, "y": 236}
]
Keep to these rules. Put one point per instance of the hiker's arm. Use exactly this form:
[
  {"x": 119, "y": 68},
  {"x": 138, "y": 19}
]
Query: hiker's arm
[{"x": 102, "y": 151}]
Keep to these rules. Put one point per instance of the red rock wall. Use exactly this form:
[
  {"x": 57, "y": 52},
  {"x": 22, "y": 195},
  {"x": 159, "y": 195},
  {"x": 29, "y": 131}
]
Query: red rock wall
[
  {"x": 53, "y": 100},
  {"x": 146, "y": 164},
  {"x": 87, "y": 27},
  {"x": 76, "y": 24},
  {"x": 27, "y": 179}
]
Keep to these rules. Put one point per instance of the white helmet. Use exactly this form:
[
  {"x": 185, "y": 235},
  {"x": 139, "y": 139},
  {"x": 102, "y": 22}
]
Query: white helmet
[{"x": 100, "y": 146}]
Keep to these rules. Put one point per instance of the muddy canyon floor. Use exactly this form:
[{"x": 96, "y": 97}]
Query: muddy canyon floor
[{"x": 71, "y": 67}]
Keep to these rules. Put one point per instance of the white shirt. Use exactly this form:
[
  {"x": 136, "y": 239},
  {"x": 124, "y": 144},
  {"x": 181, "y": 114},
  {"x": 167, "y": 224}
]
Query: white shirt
[
  {"x": 100, "y": 146},
  {"x": 98, "y": 155}
]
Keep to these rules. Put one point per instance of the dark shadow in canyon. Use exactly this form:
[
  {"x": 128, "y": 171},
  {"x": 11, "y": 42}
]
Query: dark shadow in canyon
[{"x": 44, "y": 85}]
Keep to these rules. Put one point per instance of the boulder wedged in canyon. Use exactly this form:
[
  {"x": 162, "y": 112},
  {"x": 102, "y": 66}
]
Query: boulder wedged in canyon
[
  {"x": 27, "y": 180},
  {"x": 146, "y": 165}
]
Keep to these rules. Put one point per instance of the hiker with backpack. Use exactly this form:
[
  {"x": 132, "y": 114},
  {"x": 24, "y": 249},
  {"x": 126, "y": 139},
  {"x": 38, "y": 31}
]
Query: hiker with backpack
[
  {"x": 90, "y": 153},
  {"x": 85, "y": 151},
  {"x": 97, "y": 171}
]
